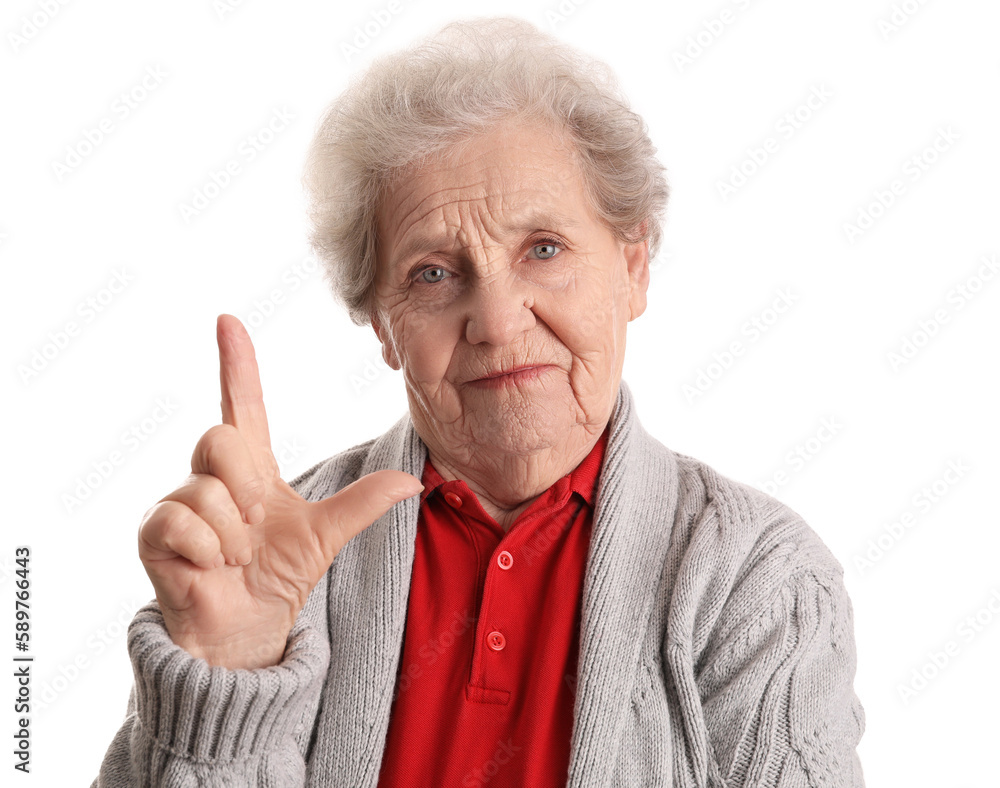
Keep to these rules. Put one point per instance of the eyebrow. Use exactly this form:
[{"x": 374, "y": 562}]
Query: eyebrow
[{"x": 530, "y": 223}]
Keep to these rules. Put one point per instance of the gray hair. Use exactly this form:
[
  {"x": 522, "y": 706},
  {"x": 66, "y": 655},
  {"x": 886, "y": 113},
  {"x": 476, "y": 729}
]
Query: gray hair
[{"x": 418, "y": 102}]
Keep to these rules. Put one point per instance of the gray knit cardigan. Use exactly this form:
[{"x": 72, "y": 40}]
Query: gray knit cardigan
[{"x": 716, "y": 646}]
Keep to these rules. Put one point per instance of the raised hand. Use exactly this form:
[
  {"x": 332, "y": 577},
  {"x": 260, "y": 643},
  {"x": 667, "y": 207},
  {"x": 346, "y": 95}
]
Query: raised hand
[{"x": 234, "y": 552}]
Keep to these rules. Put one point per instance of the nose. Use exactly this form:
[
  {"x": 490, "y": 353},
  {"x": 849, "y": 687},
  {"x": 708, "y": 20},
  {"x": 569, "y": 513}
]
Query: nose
[{"x": 499, "y": 311}]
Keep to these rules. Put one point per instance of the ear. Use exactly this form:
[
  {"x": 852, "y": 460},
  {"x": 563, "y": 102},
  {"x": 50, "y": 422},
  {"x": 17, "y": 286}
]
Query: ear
[
  {"x": 637, "y": 260},
  {"x": 388, "y": 351}
]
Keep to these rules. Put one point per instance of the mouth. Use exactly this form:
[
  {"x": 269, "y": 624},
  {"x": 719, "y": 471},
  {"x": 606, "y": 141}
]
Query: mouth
[
  {"x": 518, "y": 375},
  {"x": 501, "y": 373}
]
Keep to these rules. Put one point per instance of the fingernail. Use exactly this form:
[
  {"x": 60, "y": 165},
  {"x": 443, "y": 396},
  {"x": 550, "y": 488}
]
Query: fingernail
[
  {"x": 255, "y": 514},
  {"x": 244, "y": 556},
  {"x": 220, "y": 559}
]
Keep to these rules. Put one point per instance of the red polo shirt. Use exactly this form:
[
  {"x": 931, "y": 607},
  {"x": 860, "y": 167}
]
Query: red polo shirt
[{"x": 488, "y": 675}]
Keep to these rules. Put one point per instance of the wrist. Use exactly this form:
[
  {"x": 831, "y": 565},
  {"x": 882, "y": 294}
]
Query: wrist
[{"x": 246, "y": 651}]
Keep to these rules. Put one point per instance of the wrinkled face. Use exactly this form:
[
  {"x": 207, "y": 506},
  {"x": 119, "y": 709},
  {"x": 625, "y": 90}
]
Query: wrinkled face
[{"x": 492, "y": 260}]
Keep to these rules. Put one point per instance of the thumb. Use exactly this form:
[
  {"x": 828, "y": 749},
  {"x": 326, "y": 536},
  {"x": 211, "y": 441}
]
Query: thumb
[{"x": 338, "y": 519}]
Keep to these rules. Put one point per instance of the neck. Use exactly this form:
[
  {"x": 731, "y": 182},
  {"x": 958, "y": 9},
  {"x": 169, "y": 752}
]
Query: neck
[{"x": 507, "y": 484}]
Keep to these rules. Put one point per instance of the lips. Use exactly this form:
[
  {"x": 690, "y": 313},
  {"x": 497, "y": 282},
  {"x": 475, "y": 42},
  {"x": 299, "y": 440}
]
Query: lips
[{"x": 502, "y": 372}]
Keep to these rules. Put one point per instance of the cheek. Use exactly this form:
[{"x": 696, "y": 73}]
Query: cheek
[
  {"x": 610, "y": 309},
  {"x": 426, "y": 345},
  {"x": 586, "y": 315}
]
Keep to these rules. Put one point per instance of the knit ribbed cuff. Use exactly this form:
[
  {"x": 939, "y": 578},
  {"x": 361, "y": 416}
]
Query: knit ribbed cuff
[{"x": 214, "y": 714}]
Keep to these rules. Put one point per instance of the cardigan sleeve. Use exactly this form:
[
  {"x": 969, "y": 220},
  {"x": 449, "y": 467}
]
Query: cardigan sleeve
[
  {"x": 191, "y": 724},
  {"x": 777, "y": 691}
]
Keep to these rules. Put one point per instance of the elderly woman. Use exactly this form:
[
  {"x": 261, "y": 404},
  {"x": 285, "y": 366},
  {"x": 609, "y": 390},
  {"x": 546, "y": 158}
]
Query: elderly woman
[{"x": 516, "y": 585}]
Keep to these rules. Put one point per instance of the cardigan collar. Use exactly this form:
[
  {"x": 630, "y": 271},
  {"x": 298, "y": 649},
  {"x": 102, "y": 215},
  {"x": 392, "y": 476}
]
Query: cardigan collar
[
  {"x": 582, "y": 479},
  {"x": 631, "y": 532}
]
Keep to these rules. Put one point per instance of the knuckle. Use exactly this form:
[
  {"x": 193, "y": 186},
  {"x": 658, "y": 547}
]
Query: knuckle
[
  {"x": 219, "y": 516},
  {"x": 199, "y": 491},
  {"x": 172, "y": 528},
  {"x": 189, "y": 480},
  {"x": 210, "y": 500},
  {"x": 150, "y": 514},
  {"x": 182, "y": 534},
  {"x": 213, "y": 452},
  {"x": 157, "y": 524},
  {"x": 151, "y": 525},
  {"x": 207, "y": 489},
  {"x": 213, "y": 443},
  {"x": 218, "y": 432},
  {"x": 160, "y": 513}
]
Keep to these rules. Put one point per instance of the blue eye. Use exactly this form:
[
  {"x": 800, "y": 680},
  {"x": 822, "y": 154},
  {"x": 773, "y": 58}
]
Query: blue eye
[
  {"x": 438, "y": 269},
  {"x": 546, "y": 250}
]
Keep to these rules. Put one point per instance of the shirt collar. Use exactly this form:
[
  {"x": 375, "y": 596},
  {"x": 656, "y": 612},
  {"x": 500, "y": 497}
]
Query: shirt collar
[{"x": 583, "y": 478}]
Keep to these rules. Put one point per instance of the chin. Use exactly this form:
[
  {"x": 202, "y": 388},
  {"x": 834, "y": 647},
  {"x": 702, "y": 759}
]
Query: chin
[{"x": 523, "y": 426}]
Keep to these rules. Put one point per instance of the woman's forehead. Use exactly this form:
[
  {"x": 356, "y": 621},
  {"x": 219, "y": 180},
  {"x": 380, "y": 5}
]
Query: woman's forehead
[{"x": 513, "y": 183}]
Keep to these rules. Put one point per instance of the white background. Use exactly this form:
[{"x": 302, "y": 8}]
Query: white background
[{"x": 891, "y": 92}]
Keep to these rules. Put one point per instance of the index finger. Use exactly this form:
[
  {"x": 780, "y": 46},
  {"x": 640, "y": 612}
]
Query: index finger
[{"x": 242, "y": 397}]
